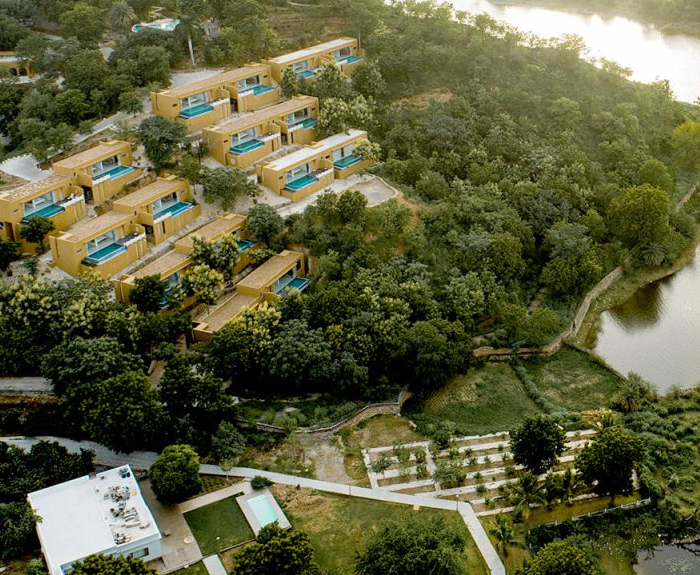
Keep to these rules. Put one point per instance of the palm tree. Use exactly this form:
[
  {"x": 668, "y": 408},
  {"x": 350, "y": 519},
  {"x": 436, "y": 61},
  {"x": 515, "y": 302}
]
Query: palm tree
[
  {"x": 503, "y": 533},
  {"x": 121, "y": 15},
  {"x": 523, "y": 493},
  {"x": 190, "y": 12},
  {"x": 570, "y": 484}
]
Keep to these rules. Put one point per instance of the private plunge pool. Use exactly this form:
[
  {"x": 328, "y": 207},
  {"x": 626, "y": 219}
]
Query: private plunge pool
[{"x": 260, "y": 509}]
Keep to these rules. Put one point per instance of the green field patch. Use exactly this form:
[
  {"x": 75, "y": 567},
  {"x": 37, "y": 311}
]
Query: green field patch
[{"x": 219, "y": 525}]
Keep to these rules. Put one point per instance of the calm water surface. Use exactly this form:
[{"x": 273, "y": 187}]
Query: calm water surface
[
  {"x": 669, "y": 559},
  {"x": 650, "y": 54}
]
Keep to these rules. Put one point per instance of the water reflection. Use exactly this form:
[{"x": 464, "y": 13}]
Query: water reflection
[
  {"x": 656, "y": 333},
  {"x": 669, "y": 559},
  {"x": 651, "y": 55}
]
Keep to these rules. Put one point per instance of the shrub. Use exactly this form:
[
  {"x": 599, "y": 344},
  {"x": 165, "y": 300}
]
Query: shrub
[{"x": 260, "y": 482}]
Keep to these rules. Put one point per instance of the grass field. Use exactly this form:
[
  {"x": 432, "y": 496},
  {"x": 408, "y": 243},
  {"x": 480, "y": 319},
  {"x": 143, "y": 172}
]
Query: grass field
[
  {"x": 219, "y": 525},
  {"x": 196, "y": 569},
  {"x": 572, "y": 379},
  {"x": 340, "y": 526},
  {"x": 485, "y": 400}
]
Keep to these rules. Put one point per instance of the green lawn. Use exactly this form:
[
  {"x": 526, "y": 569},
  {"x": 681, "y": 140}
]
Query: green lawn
[
  {"x": 485, "y": 400},
  {"x": 339, "y": 526},
  {"x": 219, "y": 525},
  {"x": 573, "y": 379},
  {"x": 196, "y": 569}
]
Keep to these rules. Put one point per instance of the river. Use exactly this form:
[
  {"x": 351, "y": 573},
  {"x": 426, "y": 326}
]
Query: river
[
  {"x": 650, "y": 54},
  {"x": 656, "y": 332}
]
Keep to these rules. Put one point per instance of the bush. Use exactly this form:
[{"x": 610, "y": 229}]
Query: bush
[
  {"x": 260, "y": 482},
  {"x": 175, "y": 474}
]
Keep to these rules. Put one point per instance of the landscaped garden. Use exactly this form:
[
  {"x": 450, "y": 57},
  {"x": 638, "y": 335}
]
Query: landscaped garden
[{"x": 219, "y": 525}]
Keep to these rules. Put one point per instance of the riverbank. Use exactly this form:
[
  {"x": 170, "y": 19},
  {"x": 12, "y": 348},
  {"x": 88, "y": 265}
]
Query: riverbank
[{"x": 605, "y": 9}]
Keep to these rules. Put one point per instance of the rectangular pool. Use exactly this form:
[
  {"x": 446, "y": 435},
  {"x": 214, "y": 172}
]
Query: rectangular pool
[
  {"x": 299, "y": 183},
  {"x": 47, "y": 212},
  {"x": 173, "y": 210},
  {"x": 245, "y": 147},
  {"x": 244, "y": 245},
  {"x": 262, "y": 508},
  {"x": 346, "y": 162},
  {"x": 104, "y": 254},
  {"x": 196, "y": 110},
  {"x": 262, "y": 89}
]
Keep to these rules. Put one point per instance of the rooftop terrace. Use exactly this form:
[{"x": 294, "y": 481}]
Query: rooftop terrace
[
  {"x": 270, "y": 270},
  {"x": 26, "y": 190},
  {"x": 213, "y": 81},
  {"x": 149, "y": 193},
  {"x": 313, "y": 50},
  {"x": 88, "y": 228},
  {"x": 238, "y": 123},
  {"x": 92, "y": 155}
]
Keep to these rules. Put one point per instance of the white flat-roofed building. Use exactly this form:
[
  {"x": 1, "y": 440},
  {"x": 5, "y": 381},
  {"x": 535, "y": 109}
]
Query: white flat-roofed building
[{"x": 101, "y": 513}]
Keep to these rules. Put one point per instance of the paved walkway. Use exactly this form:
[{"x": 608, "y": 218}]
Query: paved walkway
[
  {"x": 21, "y": 385},
  {"x": 214, "y": 496},
  {"x": 142, "y": 460},
  {"x": 214, "y": 565},
  {"x": 25, "y": 167}
]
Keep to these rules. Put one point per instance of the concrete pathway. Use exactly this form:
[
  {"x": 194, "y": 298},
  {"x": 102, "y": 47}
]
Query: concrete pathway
[
  {"x": 214, "y": 496},
  {"x": 142, "y": 460},
  {"x": 214, "y": 565},
  {"x": 25, "y": 167}
]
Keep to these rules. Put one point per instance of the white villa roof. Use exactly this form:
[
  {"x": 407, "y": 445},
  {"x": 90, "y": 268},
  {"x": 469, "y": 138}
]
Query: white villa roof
[
  {"x": 315, "y": 150},
  {"x": 77, "y": 518},
  {"x": 313, "y": 50}
]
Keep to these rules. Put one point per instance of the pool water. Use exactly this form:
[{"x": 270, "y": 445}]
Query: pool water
[
  {"x": 346, "y": 162},
  {"x": 196, "y": 110},
  {"x": 244, "y": 245},
  {"x": 299, "y": 183},
  {"x": 262, "y": 90},
  {"x": 116, "y": 172},
  {"x": 307, "y": 74},
  {"x": 47, "y": 212},
  {"x": 352, "y": 59},
  {"x": 309, "y": 122},
  {"x": 173, "y": 209},
  {"x": 263, "y": 510},
  {"x": 245, "y": 147},
  {"x": 105, "y": 253},
  {"x": 298, "y": 283}
]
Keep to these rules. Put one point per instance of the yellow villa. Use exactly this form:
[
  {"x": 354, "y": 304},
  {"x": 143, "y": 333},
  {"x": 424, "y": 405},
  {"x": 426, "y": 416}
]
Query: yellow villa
[
  {"x": 54, "y": 197},
  {"x": 10, "y": 62},
  {"x": 163, "y": 208},
  {"x": 101, "y": 171},
  {"x": 107, "y": 244},
  {"x": 204, "y": 102},
  {"x": 244, "y": 140},
  {"x": 343, "y": 51},
  {"x": 313, "y": 168},
  {"x": 172, "y": 266},
  {"x": 270, "y": 281}
]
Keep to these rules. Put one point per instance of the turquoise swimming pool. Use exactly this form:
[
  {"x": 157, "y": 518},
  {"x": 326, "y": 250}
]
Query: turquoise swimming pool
[
  {"x": 263, "y": 510},
  {"x": 307, "y": 74},
  {"x": 197, "y": 110},
  {"x": 262, "y": 90},
  {"x": 104, "y": 254},
  {"x": 244, "y": 245},
  {"x": 352, "y": 59},
  {"x": 245, "y": 147},
  {"x": 299, "y": 183},
  {"x": 47, "y": 212},
  {"x": 173, "y": 209},
  {"x": 347, "y": 161},
  {"x": 114, "y": 173}
]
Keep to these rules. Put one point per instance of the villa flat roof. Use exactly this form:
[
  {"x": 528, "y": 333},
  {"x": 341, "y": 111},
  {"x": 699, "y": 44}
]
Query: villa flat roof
[
  {"x": 77, "y": 518},
  {"x": 227, "y": 311},
  {"x": 29, "y": 189},
  {"x": 310, "y": 152},
  {"x": 270, "y": 270},
  {"x": 313, "y": 50},
  {"x": 235, "y": 125},
  {"x": 214, "y": 229},
  {"x": 163, "y": 264},
  {"x": 150, "y": 193},
  {"x": 84, "y": 230},
  {"x": 92, "y": 155},
  {"x": 214, "y": 81},
  {"x": 338, "y": 139}
]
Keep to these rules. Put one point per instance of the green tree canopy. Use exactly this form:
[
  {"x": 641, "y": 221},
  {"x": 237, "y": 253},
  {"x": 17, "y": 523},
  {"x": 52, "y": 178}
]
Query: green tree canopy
[
  {"x": 561, "y": 558},
  {"x": 537, "y": 443},
  {"x": 84, "y": 22},
  {"x": 413, "y": 545},
  {"x": 264, "y": 223},
  {"x": 639, "y": 215},
  {"x": 148, "y": 293},
  {"x": 608, "y": 461},
  {"x": 686, "y": 145},
  {"x": 17, "y": 530},
  {"x": 225, "y": 185},
  {"x": 277, "y": 552},
  {"x": 161, "y": 138},
  {"x": 111, "y": 565},
  {"x": 175, "y": 474},
  {"x": 8, "y": 253}
]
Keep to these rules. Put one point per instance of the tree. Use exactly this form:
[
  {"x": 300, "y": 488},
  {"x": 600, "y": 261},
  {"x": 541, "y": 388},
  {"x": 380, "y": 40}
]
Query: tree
[
  {"x": 44, "y": 140},
  {"x": 189, "y": 168},
  {"x": 370, "y": 151},
  {"x": 121, "y": 15},
  {"x": 8, "y": 253},
  {"x": 36, "y": 567},
  {"x": 686, "y": 145},
  {"x": 330, "y": 82},
  {"x": 639, "y": 215},
  {"x": 205, "y": 282},
  {"x": 277, "y": 552},
  {"x": 523, "y": 493},
  {"x": 130, "y": 102},
  {"x": 633, "y": 393},
  {"x": 123, "y": 413},
  {"x": 17, "y": 530},
  {"x": 289, "y": 84},
  {"x": 227, "y": 251},
  {"x": 175, "y": 474},
  {"x": 190, "y": 12},
  {"x": 227, "y": 444},
  {"x": 225, "y": 185},
  {"x": 655, "y": 173},
  {"x": 36, "y": 230},
  {"x": 71, "y": 107},
  {"x": 339, "y": 115},
  {"x": 264, "y": 223},
  {"x": 413, "y": 545},
  {"x": 161, "y": 138},
  {"x": 561, "y": 558},
  {"x": 503, "y": 532},
  {"x": 111, "y": 565},
  {"x": 78, "y": 364},
  {"x": 148, "y": 293},
  {"x": 368, "y": 81},
  {"x": 537, "y": 443},
  {"x": 608, "y": 461},
  {"x": 83, "y": 22}
]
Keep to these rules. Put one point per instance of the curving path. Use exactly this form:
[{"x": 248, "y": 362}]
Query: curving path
[{"x": 143, "y": 459}]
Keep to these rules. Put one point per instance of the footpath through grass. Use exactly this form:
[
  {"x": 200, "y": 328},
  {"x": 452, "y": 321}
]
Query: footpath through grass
[{"x": 219, "y": 525}]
